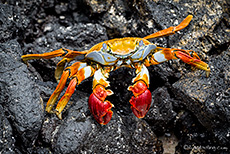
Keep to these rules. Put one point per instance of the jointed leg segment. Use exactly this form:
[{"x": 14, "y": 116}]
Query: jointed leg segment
[
  {"x": 60, "y": 67},
  {"x": 78, "y": 72},
  {"x": 171, "y": 30},
  {"x": 67, "y": 54},
  {"x": 77, "y": 78},
  {"x": 187, "y": 56}
]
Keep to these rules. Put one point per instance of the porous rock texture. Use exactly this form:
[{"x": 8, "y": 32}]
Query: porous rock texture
[{"x": 185, "y": 103}]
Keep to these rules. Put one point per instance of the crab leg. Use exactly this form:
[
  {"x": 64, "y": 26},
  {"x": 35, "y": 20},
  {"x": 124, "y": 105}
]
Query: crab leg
[
  {"x": 100, "y": 108},
  {"x": 77, "y": 78},
  {"x": 187, "y": 56},
  {"x": 60, "y": 67},
  {"x": 67, "y": 54},
  {"x": 142, "y": 98},
  {"x": 67, "y": 73},
  {"x": 171, "y": 30}
]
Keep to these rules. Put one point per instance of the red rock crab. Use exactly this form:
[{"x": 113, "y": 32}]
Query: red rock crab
[{"x": 133, "y": 52}]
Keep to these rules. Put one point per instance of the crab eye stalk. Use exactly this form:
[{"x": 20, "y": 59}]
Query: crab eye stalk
[
  {"x": 104, "y": 46},
  {"x": 141, "y": 43}
]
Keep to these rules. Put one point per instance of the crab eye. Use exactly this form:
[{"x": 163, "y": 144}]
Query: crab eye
[
  {"x": 141, "y": 43},
  {"x": 104, "y": 46}
]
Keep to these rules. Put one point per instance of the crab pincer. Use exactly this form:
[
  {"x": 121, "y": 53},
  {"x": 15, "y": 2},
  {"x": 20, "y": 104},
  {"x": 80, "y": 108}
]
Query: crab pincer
[
  {"x": 141, "y": 100},
  {"x": 100, "y": 108}
]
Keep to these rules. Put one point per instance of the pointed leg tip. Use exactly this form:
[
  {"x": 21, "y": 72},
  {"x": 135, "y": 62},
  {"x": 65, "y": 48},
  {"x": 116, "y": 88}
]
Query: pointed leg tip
[
  {"x": 190, "y": 16},
  {"x": 59, "y": 115},
  {"x": 48, "y": 109},
  {"x": 207, "y": 73}
]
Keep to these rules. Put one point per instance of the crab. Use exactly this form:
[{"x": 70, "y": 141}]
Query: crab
[{"x": 132, "y": 52}]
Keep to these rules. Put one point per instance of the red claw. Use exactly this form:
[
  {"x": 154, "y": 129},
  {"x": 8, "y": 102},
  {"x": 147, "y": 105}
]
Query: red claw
[
  {"x": 100, "y": 109},
  {"x": 141, "y": 100}
]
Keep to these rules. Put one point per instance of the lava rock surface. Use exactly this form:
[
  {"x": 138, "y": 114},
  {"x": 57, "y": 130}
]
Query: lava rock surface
[{"x": 185, "y": 103}]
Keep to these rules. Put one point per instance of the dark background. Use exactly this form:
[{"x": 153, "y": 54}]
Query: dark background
[{"x": 189, "y": 112}]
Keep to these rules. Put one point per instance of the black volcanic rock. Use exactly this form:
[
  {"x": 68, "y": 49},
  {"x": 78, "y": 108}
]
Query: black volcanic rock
[{"x": 184, "y": 102}]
